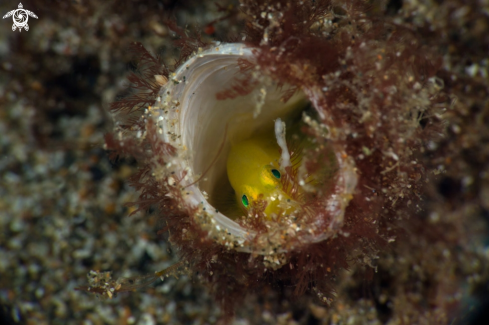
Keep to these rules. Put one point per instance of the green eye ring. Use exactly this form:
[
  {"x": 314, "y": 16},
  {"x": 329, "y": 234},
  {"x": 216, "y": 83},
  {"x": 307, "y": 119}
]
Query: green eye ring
[
  {"x": 244, "y": 200},
  {"x": 276, "y": 173}
]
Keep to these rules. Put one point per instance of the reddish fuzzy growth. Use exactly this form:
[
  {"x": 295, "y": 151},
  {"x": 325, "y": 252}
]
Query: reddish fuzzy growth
[
  {"x": 241, "y": 86},
  {"x": 362, "y": 80},
  {"x": 188, "y": 44},
  {"x": 143, "y": 86}
]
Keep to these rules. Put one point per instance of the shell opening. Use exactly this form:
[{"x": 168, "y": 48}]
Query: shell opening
[{"x": 203, "y": 128}]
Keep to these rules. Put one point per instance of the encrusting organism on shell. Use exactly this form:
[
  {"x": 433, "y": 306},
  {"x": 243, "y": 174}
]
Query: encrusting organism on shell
[{"x": 289, "y": 156}]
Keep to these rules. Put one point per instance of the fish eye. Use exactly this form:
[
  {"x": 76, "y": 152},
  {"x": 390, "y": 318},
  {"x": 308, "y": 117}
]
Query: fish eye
[
  {"x": 244, "y": 200},
  {"x": 276, "y": 173}
]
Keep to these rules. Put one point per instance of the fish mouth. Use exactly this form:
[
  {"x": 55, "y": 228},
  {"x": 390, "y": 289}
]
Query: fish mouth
[{"x": 217, "y": 98}]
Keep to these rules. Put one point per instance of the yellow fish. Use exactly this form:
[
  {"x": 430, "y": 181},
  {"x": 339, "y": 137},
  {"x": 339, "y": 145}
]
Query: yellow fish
[{"x": 253, "y": 168}]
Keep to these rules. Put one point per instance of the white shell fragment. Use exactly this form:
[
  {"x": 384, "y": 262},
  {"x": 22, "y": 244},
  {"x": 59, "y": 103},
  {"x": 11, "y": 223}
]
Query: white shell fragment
[
  {"x": 280, "y": 135},
  {"x": 202, "y": 129}
]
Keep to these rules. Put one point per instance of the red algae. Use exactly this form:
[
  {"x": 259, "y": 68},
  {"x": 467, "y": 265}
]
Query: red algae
[
  {"x": 368, "y": 98},
  {"x": 379, "y": 93}
]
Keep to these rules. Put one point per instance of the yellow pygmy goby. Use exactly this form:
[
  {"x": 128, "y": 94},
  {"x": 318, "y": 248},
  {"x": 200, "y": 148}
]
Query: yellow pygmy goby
[{"x": 253, "y": 170}]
